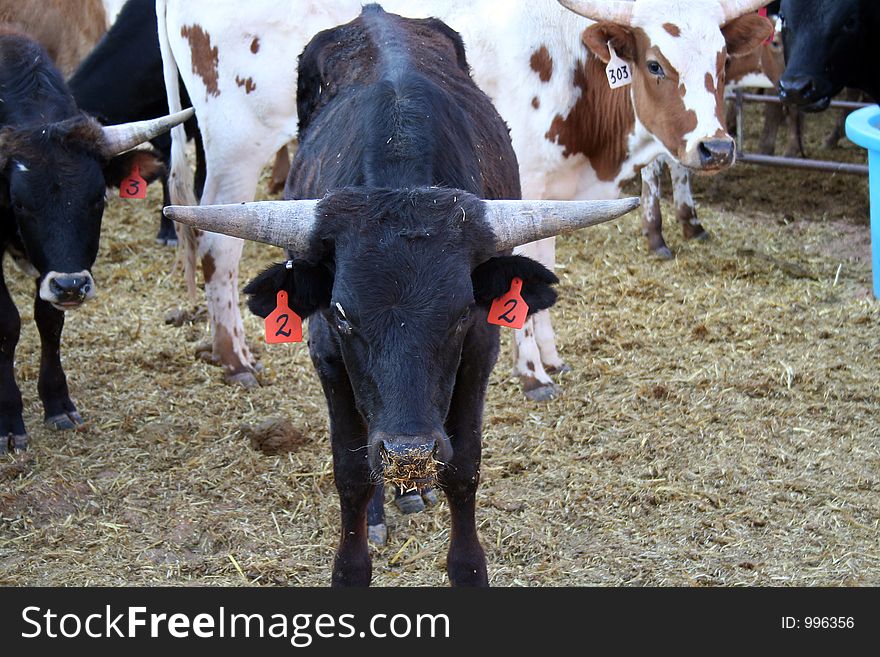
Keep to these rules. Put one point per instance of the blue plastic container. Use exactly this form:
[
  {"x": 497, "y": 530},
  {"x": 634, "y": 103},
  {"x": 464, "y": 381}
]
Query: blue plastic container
[{"x": 863, "y": 128}]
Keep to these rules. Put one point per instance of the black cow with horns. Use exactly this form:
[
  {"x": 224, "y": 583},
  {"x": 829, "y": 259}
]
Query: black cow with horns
[
  {"x": 397, "y": 265},
  {"x": 55, "y": 166},
  {"x": 828, "y": 46}
]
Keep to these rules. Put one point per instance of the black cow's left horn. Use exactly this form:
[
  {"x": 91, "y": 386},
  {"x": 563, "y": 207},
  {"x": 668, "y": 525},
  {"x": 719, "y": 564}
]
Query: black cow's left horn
[
  {"x": 120, "y": 138},
  {"x": 519, "y": 222}
]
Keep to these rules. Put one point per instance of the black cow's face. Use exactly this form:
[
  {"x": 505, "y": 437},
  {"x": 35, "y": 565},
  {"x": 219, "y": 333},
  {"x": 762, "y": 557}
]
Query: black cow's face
[
  {"x": 822, "y": 40},
  {"x": 408, "y": 277},
  {"x": 54, "y": 189}
]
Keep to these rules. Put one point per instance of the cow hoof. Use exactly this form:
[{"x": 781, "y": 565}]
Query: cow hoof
[
  {"x": 702, "y": 236},
  {"x": 411, "y": 502},
  {"x": 429, "y": 497},
  {"x": 246, "y": 380},
  {"x": 64, "y": 421},
  {"x": 377, "y": 534},
  {"x": 557, "y": 369},
  {"x": 662, "y": 253},
  {"x": 541, "y": 392},
  {"x": 163, "y": 241}
]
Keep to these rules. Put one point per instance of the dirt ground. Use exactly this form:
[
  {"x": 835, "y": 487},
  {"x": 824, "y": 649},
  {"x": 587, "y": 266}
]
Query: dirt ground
[{"x": 720, "y": 425}]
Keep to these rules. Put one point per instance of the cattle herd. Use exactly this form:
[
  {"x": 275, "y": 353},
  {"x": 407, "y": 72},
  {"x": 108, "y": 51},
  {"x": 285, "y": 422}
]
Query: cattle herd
[{"x": 442, "y": 145}]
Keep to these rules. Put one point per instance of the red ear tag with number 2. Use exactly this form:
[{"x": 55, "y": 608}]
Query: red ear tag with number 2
[
  {"x": 134, "y": 186},
  {"x": 282, "y": 324},
  {"x": 510, "y": 310}
]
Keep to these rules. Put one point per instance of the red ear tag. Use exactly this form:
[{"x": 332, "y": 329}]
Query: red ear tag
[
  {"x": 134, "y": 186},
  {"x": 282, "y": 324},
  {"x": 510, "y": 310}
]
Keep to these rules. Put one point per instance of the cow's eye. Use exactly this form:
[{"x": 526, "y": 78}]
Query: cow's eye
[{"x": 654, "y": 68}]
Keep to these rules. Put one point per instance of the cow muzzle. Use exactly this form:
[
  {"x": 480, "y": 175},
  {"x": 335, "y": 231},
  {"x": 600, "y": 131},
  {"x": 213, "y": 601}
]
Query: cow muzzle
[
  {"x": 409, "y": 462},
  {"x": 802, "y": 90},
  {"x": 67, "y": 291},
  {"x": 711, "y": 155}
]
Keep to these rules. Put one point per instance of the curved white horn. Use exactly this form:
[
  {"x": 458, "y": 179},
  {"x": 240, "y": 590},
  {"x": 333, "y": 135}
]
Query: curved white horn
[
  {"x": 125, "y": 136},
  {"x": 288, "y": 224},
  {"x": 520, "y": 222},
  {"x": 733, "y": 9},
  {"x": 597, "y": 10}
]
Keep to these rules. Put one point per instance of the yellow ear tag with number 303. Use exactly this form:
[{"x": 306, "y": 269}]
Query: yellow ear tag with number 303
[{"x": 618, "y": 71}]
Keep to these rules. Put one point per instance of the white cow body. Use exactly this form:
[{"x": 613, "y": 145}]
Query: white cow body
[{"x": 244, "y": 124}]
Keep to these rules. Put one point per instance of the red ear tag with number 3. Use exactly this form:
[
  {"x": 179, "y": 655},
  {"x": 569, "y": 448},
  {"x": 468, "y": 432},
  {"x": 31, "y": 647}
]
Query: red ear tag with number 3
[
  {"x": 510, "y": 310},
  {"x": 282, "y": 324},
  {"x": 134, "y": 186}
]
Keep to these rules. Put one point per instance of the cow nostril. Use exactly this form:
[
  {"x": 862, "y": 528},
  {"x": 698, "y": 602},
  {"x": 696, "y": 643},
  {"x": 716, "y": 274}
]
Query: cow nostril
[{"x": 717, "y": 152}]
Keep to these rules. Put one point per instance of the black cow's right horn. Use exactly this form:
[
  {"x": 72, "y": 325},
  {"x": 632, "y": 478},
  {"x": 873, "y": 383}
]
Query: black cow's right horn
[
  {"x": 287, "y": 224},
  {"x": 519, "y": 222}
]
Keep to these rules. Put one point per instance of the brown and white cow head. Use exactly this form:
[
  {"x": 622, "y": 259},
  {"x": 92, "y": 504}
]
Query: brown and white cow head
[{"x": 678, "y": 50}]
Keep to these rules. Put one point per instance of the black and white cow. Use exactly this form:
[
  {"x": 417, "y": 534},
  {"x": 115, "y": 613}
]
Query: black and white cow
[
  {"x": 55, "y": 166},
  {"x": 121, "y": 80},
  {"x": 829, "y": 46},
  {"x": 397, "y": 265}
]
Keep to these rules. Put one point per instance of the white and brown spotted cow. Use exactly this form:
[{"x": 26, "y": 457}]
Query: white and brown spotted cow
[{"x": 542, "y": 65}]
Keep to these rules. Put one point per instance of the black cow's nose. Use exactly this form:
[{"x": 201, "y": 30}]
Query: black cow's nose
[
  {"x": 796, "y": 89},
  {"x": 70, "y": 288},
  {"x": 717, "y": 153}
]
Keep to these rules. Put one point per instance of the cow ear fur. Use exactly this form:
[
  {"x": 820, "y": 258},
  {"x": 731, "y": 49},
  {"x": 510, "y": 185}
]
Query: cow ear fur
[
  {"x": 308, "y": 288},
  {"x": 746, "y": 34},
  {"x": 119, "y": 168},
  {"x": 492, "y": 279},
  {"x": 598, "y": 36}
]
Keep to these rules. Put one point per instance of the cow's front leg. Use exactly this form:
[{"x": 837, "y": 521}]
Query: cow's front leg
[
  {"x": 351, "y": 469},
  {"x": 652, "y": 216},
  {"x": 685, "y": 206},
  {"x": 12, "y": 432},
  {"x": 60, "y": 411},
  {"x": 528, "y": 363},
  {"x": 219, "y": 256},
  {"x": 459, "y": 479}
]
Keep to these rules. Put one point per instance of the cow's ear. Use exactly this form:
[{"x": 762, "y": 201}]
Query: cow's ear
[
  {"x": 746, "y": 34},
  {"x": 120, "y": 167},
  {"x": 492, "y": 280},
  {"x": 598, "y": 36},
  {"x": 308, "y": 288}
]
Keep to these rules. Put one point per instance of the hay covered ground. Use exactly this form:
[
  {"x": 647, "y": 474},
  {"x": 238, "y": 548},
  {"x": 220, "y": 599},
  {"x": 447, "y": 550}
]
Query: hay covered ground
[{"x": 720, "y": 426}]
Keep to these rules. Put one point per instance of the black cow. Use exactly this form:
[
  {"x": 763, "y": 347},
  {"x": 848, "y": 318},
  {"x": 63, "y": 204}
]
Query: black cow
[
  {"x": 829, "y": 46},
  {"x": 397, "y": 265},
  {"x": 55, "y": 166},
  {"x": 121, "y": 80}
]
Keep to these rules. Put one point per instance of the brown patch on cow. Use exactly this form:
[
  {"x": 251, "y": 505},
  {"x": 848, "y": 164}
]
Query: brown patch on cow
[
  {"x": 531, "y": 366},
  {"x": 255, "y": 45},
  {"x": 598, "y": 124},
  {"x": 710, "y": 83},
  {"x": 248, "y": 84},
  {"x": 536, "y": 103},
  {"x": 672, "y": 29},
  {"x": 205, "y": 59},
  {"x": 208, "y": 267},
  {"x": 542, "y": 63}
]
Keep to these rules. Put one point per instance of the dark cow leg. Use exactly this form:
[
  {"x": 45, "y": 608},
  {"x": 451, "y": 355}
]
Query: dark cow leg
[
  {"x": 60, "y": 410},
  {"x": 774, "y": 115},
  {"x": 459, "y": 479},
  {"x": 351, "y": 469},
  {"x": 377, "y": 530},
  {"x": 12, "y": 432},
  {"x": 652, "y": 217},
  {"x": 167, "y": 235}
]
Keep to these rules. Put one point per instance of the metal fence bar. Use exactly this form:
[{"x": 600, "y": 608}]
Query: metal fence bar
[
  {"x": 739, "y": 98},
  {"x": 798, "y": 163}
]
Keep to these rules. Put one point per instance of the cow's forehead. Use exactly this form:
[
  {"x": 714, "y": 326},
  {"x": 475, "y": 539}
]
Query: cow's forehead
[{"x": 687, "y": 33}]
